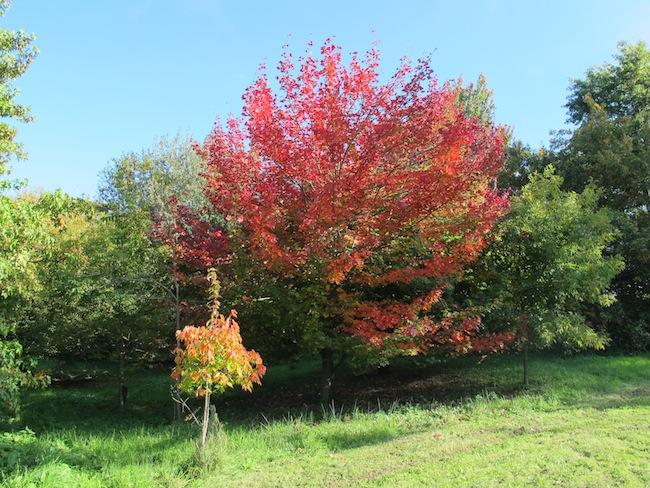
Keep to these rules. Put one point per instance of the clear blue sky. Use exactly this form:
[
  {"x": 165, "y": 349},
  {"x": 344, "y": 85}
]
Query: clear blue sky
[{"x": 114, "y": 75}]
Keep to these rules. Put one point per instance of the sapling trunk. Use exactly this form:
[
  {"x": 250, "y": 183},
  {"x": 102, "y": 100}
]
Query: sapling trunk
[
  {"x": 121, "y": 387},
  {"x": 526, "y": 365},
  {"x": 206, "y": 420},
  {"x": 177, "y": 301},
  {"x": 178, "y": 413},
  {"x": 327, "y": 371},
  {"x": 523, "y": 330}
]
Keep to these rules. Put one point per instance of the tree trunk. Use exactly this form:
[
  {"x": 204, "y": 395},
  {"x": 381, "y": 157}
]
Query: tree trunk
[
  {"x": 526, "y": 365},
  {"x": 178, "y": 412},
  {"x": 177, "y": 303},
  {"x": 206, "y": 420},
  {"x": 121, "y": 387},
  {"x": 523, "y": 328},
  {"x": 327, "y": 371}
]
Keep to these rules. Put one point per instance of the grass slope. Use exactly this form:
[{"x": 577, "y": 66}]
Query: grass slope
[{"x": 585, "y": 423}]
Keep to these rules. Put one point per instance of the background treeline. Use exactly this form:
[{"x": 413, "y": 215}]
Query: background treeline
[{"x": 114, "y": 278}]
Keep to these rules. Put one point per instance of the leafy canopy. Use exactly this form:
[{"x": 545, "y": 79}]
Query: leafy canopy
[
  {"x": 22, "y": 233},
  {"x": 17, "y": 51},
  {"x": 549, "y": 259},
  {"x": 103, "y": 283},
  {"x": 27, "y": 228},
  {"x": 610, "y": 149},
  {"x": 621, "y": 89},
  {"x": 213, "y": 357},
  {"x": 357, "y": 185}
]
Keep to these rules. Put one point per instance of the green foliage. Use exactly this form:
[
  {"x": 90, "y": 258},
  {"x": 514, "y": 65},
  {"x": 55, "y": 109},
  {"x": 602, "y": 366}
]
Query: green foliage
[
  {"x": 102, "y": 285},
  {"x": 17, "y": 52},
  {"x": 615, "y": 155},
  {"x": 476, "y": 100},
  {"x": 281, "y": 317},
  {"x": 521, "y": 161},
  {"x": 15, "y": 373},
  {"x": 148, "y": 180},
  {"x": 153, "y": 184},
  {"x": 621, "y": 89},
  {"x": 22, "y": 234},
  {"x": 610, "y": 149},
  {"x": 25, "y": 238},
  {"x": 549, "y": 259}
]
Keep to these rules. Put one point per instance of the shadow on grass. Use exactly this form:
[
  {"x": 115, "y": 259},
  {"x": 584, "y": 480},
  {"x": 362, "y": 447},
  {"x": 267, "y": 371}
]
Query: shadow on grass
[
  {"x": 71, "y": 420},
  {"x": 621, "y": 398},
  {"x": 419, "y": 385},
  {"x": 350, "y": 440},
  {"x": 290, "y": 390},
  {"x": 26, "y": 450}
]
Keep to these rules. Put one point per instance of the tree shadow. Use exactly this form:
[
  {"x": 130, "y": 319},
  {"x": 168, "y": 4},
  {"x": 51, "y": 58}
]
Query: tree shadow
[
  {"x": 350, "y": 440},
  {"x": 375, "y": 391},
  {"x": 23, "y": 450},
  {"x": 76, "y": 413},
  {"x": 629, "y": 397}
]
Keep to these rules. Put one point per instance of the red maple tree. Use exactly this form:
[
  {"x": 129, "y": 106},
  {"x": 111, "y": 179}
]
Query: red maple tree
[{"x": 364, "y": 185}]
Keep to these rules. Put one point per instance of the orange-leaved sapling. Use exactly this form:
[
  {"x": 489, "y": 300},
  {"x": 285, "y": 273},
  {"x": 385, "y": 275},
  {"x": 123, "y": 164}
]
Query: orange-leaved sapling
[{"x": 213, "y": 358}]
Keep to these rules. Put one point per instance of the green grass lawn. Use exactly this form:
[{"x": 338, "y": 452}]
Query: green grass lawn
[{"x": 585, "y": 422}]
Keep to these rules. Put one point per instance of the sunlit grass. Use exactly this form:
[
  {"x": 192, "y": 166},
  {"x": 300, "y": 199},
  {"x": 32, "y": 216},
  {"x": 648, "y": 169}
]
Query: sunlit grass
[{"x": 585, "y": 422}]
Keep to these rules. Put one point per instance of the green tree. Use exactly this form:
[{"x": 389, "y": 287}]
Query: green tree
[
  {"x": 17, "y": 51},
  {"x": 476, "y": 100},
  {"x": 150, "y": 183},
  {"x": 23, "y": 242},
  {"x": 22, "y": 233},
  {"x": 621, "y": 89},
  {"x": 101, "y": 290},
  {"x": 163, "y": 185},
  {"x": 610, "y": 149},
  {"x": 521, "y": 162},
  {"x": 547, "y": 261},
  {"x": 123, "y": 284}
]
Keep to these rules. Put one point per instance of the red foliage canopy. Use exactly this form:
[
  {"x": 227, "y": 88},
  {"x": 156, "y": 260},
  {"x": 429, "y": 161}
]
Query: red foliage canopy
[
  {"x": 196, "y": 244},
  {"x": 368, "y": 183}
]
